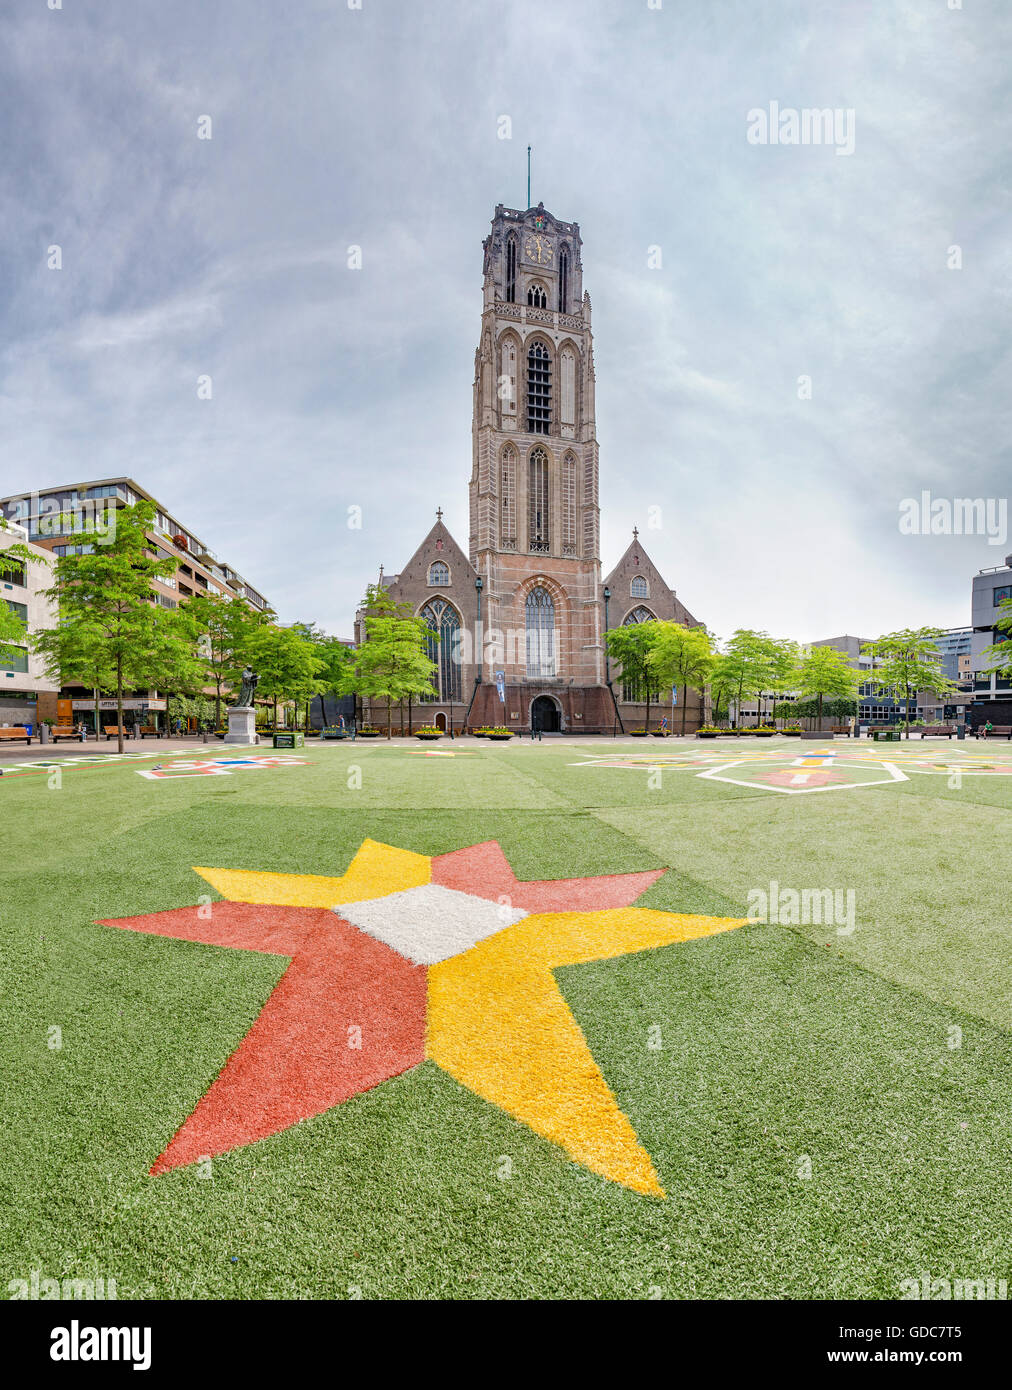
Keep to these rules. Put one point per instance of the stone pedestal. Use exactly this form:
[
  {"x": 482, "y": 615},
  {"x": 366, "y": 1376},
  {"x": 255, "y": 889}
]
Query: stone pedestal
[{"x": 242, "y": 725}]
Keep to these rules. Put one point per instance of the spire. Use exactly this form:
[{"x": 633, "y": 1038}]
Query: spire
[
  {"x": 439, "y": 513},
  {"x": 636, "y": 534}
]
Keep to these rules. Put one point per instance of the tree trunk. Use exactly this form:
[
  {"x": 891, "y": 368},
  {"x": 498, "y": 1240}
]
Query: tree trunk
[
  {"x": 647, "y": 720},
  {"x": 98, "y": 726},
  {"x": 119, "y": 703},
  {"x": 820, "y": 711},
  {"x": 685, "y": 707},
  {"x": 409, "y": 716},
  {"x": 389, "y": 717}
]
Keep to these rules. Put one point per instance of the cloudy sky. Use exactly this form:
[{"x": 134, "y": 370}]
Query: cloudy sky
[{"x": 378, "y": 126}]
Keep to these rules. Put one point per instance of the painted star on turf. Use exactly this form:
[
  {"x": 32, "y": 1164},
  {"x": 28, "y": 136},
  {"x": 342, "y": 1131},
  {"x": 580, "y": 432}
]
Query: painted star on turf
[{"x": 404, "y": 958}]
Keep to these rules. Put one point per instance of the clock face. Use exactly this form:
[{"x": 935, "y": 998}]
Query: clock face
[{"x": 538, "y": 248}]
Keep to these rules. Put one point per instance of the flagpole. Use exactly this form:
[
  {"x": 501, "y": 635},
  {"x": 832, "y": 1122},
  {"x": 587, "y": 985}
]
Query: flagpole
[{"x": 528, "y": 175}]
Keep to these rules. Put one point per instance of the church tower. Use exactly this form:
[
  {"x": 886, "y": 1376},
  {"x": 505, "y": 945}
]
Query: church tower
[{"x": 534, "y": 523}]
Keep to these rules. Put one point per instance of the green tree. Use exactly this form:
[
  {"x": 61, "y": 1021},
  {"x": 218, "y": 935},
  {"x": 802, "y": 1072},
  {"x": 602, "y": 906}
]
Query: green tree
[
  {"x": 286, "y": 662},
  {"x": 823, "y": 671},
  {"x": 631, "y": 645},
  {"x": 223, "y": 630},
  {"x": 108, "y": 609},
  {"x": 74, "y": 655},
  {"x": 909, "y": 660},
  {"x": 753, "y": 664},
  {"x": 681, "y": 656},
  {"x": 393, "y": 662}
]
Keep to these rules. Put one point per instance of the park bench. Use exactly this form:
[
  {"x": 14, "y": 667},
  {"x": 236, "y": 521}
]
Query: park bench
[
  {"x": 841, "y": 729},
  {"x": 114, "y": 730},
  {"x": 15, "y": 735},
  {"x": 59, "y": 731},
  {"x": 997, "y": 731},
  {"x": 939, "y": 730},
  {"x": 148, "y": 730}
]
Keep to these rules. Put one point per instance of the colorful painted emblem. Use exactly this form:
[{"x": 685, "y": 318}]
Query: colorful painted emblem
[
  {"x": 215, "y": 767},
  {"x": 405, "y": 958}
]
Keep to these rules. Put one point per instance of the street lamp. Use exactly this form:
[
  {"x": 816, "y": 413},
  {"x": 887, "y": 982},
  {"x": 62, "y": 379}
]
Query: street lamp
[
  {"x": 479, "y": 585},
  {"x": 606, "y": 594}
]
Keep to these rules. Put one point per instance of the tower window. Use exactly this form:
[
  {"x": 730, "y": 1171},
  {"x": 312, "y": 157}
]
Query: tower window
[
  {"x": 540, "y": 614},
  {"x": 539, "y": 389},
  {"x": 638, "y": 587},
  {"x": 563, "y": 281},
  {"x": 511, "y": 269},
  {"x": 569, "y": 505},
  {"x": 508, "y": 498},
  {"x": 537, "y": 297},
  {"x": 439, "y": 574},
  {"x": 537, "y": 498}
]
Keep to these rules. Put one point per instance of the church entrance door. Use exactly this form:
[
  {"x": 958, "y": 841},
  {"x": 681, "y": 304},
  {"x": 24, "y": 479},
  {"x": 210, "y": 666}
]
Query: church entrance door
[{"x": 546, "y": 715}]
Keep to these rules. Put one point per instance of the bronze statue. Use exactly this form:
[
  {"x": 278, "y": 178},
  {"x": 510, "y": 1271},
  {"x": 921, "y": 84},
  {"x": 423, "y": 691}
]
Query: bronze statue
[{"x": 250, "y": 680}]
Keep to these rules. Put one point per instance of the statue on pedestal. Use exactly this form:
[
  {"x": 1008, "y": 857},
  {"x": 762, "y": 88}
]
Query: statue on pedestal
[{"x": 250, "y": 681}]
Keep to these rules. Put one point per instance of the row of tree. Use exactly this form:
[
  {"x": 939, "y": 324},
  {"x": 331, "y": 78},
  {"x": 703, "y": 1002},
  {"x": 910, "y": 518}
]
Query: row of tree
[
  {"x": 112, "y": 636},
  {"x": 755, "y": 666}
]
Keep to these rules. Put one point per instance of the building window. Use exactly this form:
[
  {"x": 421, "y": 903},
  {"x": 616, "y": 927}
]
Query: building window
[
  {"x": 638, "y": 587},
  {"x": 12, "y": 571},
  {"x": 537, "y": 298},
  {"x": 508, "y": 499},
  {"x": 537, "y": 497},
  {"x": 20, "y": 610},
  {"x": 511, "y": 269},
  {"x": 439, "y": 574},
  {"x": 564, "y": 281},
  {"x": 14, "y": 659},
  {"x": 539, "y": 389},
  {"x": 540, "y": 634},
  {"x": 569, "y": 505},
  {"x": 444, "y": 620},
  {"x": 639, "y": 615},
  {"x": 1000, "y": 596}
]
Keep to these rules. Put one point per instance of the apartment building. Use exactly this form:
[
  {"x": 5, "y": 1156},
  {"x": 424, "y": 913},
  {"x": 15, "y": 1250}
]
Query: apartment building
[
  {"x": 991, "y": 587},
  {"x": 23, "y": 676},
  {"x": 74, "y": 518}
]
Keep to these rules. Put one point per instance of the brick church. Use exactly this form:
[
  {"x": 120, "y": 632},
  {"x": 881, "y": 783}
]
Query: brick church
[{"x": 528, "y": 590}]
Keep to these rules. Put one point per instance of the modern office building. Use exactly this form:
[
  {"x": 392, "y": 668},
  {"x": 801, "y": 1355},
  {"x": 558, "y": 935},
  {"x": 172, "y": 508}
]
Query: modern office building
[
  {"x": 990, "y": 589},
  {"x": 23, "y": 676},
  {"x": 74, "y": 518}
]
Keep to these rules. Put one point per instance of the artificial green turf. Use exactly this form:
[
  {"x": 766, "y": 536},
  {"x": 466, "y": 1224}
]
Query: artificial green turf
[{"x": 776, "y": 1047}]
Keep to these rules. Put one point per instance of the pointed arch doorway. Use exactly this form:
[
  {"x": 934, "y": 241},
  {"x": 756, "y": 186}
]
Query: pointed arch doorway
[{"x": 546, "y": 715}]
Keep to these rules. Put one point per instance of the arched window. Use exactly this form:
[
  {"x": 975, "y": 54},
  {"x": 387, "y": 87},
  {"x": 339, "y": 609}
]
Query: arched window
[
  {"x": 569, "y": 505},
  {"x": 439, "y": 574},
  {"x": 444, "y": 621},
  {"x": 564, "y": 281},
  {"x": 540, "y": 633},
  {"x": 539, "y": 389},
  {"x": 537, "y": 502},
  {"x": 639, "y": 615},
  {"x": 567, "y": 375},
  {"x": 638, "y": 587},
  {"x": 537, "y": 297},
  {"x": 508, "y": 382},
  {"x": 511, "y": 269},
  {"x": 508, "y": 499},
  {"x": 634, "y": 690}
]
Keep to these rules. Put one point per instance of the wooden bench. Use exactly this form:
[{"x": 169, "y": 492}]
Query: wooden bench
[
  {"x": 59, "y": 731},
  {"x": 997, "y": 731},
  {"x": 938, "y": 730},
  {"x": 16, "y": 735},
  {"x": 840, "y": 729},
  {"x": 114, "y": 730},
  {"x": 148, "y": 730}
]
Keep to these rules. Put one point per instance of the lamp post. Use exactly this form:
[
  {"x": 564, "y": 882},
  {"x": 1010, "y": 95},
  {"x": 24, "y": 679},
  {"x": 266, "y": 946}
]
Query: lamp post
[
  {"x": 606, "y": 594},
  {"x": 479, "y": 585}
]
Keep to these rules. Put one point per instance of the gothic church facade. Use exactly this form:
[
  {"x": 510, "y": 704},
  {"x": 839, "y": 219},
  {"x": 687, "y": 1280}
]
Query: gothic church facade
[{"x": 529, "y": 592}]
